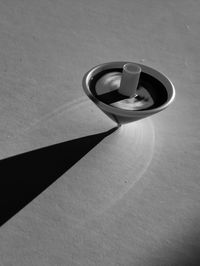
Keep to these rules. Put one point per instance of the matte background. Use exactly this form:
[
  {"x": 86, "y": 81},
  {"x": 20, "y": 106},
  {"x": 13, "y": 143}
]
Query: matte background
[{"x": 134, "y": 198}]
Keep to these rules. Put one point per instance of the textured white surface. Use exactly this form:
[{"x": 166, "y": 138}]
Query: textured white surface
[{"x": 45, "y": 48}]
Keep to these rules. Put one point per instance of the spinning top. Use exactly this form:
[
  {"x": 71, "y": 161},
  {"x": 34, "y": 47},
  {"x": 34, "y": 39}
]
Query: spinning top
[{"x": 127, "y": 91}]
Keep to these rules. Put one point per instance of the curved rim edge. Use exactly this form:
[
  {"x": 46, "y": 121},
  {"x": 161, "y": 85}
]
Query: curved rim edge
[{"x": 115, "y": 64}]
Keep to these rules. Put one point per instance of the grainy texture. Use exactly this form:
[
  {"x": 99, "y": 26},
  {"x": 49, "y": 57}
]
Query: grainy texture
[{"x": 138, "y": 209}]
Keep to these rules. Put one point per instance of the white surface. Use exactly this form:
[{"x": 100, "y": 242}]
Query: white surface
[
  {"x": 130, "y": 78},
  {"x": 45, "y": 48}
]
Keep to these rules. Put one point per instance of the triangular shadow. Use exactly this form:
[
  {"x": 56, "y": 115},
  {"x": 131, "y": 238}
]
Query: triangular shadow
[{"x": 25, "y": 176}]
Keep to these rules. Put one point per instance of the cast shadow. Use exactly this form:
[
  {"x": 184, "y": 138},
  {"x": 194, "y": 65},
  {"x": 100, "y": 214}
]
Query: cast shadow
[{"x": 25, "y": 176}]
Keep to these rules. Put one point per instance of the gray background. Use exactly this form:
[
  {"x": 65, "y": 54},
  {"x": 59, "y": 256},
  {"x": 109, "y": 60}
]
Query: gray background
[{"x": 87, "y": 217}]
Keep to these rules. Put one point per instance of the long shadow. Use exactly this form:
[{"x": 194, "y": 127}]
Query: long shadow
[{"x": 25, "y": 176}]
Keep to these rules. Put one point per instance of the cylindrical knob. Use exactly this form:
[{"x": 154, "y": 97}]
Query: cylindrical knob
[{"x": 130, "y": 78}]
